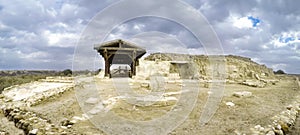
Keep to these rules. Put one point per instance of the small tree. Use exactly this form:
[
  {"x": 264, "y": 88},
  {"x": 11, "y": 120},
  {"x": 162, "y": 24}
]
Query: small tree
[
  {"x": 67, "y": 72},
  {"x": 279, "y": 72}
]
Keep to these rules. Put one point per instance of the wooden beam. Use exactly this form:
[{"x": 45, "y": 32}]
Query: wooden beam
[
  {"x": 122, "y": 49},
  {"x": 117, "y": 52}
]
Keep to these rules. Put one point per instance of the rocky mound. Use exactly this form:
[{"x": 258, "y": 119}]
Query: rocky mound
[{"x": 238, "y": 69}]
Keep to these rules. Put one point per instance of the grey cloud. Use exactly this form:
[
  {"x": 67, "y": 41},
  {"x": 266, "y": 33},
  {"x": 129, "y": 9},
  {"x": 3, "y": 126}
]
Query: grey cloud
[
  {"x": 276, "y": 16},
  {"x": 70, "y": 17},
  {"x": 165, "y": 26}
]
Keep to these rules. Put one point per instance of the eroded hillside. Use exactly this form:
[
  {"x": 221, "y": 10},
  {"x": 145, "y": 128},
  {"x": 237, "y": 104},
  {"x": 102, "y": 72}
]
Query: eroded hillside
[{"x": 237, "y": 67}]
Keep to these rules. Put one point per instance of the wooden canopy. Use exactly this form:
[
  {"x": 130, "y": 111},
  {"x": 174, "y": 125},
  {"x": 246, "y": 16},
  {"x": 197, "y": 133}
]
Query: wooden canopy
[{"x": 120, "y": 52}]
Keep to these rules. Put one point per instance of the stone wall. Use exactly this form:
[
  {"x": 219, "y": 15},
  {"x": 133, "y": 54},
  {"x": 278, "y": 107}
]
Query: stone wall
[
  {"x": 148, "y": 68},
  {"x": 33, "y": 124},
  {"x": 282, "y": 123},
  {"x": 15, "y": 101}
]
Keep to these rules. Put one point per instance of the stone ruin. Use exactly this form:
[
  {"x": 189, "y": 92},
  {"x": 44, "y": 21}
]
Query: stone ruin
[
  {"x": 240, "y": 70},
  {"x": 175, "y": 67},
  {"x": 16, "y": 99},
  {"x": 281, "y": 123}
]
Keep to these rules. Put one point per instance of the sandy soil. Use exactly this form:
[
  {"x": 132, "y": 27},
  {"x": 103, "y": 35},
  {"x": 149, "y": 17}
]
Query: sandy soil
[{"x": 247, "y": 112}]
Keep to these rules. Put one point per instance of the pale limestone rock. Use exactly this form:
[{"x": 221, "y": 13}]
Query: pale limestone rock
[
  {"x": 230, "y": 104},
  {"x": 253, "y": 83},
  {"x": 101, "y": 74},
  {"x": 271, "y": 133},
  {"x": 33, "y": 132},
  {"x": 78, "y": 118},
  {"x": 98, "y": 108},
  {"x": 145, "y": 84},
  {"x": 91, "y": 100},
  {"x": 242, "y": 94},
  {"x": 73, "y": 121},
  {"x": 278, "y": 132},
  {"x": 289, "y": 107},
  {"x": 257, "y": 77}
]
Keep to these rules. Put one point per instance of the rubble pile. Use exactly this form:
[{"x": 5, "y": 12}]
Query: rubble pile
[
  {"x": 282, "y": 122},
  {"x": 31, "y": 123}
]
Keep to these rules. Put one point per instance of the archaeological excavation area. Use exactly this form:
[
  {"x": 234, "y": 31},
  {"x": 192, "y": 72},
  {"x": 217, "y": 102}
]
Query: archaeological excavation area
[{"x": 172, "y": 94}]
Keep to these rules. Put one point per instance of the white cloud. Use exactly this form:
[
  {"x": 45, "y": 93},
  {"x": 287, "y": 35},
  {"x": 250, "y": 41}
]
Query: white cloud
[
  {"x": 286, "y": 38},
  {"x": 243, "y": 22},
  {"x": 52, "y": 12},
  {"x": 258, "y": 60},
  {"x": 281, "y": 66},
  {"x": 138, "y": 27},
  {"x": 205, "y": 6},
  {"x": 295, "y": 57},
  {"x": 61, "y": 39},
  {"x": 60, "y": 25},
  {"x": 69, "y": 9},
  {"x": 2, "y": 26},
  {"x": 33, "y": 55}
]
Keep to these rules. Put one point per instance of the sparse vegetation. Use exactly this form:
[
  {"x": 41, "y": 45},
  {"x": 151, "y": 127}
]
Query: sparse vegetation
[
  {"x": 67, "y": 72},
  {"x": 6, "y": 81},
  {"x": 9, "y": 78}
]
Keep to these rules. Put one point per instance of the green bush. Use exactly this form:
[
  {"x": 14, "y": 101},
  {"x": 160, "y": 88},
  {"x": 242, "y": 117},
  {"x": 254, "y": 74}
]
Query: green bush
[{"x": 67, "y": 72}]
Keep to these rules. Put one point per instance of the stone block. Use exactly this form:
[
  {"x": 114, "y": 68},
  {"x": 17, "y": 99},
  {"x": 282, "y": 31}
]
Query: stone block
[
  {"x": 91, "y": 100},
  {"x": 242, "y": 94}
]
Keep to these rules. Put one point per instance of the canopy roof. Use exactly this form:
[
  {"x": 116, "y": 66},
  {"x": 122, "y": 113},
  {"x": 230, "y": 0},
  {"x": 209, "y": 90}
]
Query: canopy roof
[{"x": 120, "y": 51}]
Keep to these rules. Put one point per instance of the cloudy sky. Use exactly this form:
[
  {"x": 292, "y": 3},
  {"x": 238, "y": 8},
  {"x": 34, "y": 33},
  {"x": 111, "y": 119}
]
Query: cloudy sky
[{"x": 44, "y": 34}]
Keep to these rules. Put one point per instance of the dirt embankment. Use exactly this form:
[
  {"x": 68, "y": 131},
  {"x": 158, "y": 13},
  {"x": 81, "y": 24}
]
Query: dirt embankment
[{"x": 237, "y": 68}]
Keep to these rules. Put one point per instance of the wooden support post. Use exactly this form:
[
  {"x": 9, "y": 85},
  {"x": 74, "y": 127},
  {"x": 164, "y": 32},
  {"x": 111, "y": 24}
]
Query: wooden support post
[
  {"x": 130, "y": 72},
  {"x": 134, "y": 63},
  {"x": 107, "y": 64},
  {"x": 131, "y": 69},
  {"x": 137, "y": 62},
  {"x": 107, "y": 68}
]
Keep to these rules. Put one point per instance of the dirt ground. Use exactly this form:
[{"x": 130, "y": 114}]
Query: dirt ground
[{"x": 247, "y": 112}]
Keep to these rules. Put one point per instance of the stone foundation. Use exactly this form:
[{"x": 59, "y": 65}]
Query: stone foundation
[{"x": 282, "y": 123}]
